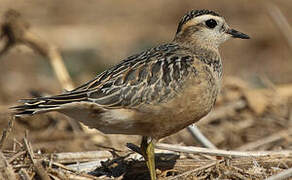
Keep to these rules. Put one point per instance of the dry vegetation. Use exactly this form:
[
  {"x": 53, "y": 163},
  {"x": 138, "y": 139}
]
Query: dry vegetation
[{"x": 252, "y": 117}]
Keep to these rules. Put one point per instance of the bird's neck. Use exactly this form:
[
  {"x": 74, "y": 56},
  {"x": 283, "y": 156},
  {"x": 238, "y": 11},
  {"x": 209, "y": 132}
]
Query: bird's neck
[
  {"x": 194, "y": 39},
  {"x": 210, "y": 57},
  {"x": 205, "y": 53}
]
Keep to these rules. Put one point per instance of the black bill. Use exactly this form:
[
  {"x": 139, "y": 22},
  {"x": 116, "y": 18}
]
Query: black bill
[{"x": 237, "y": 34}]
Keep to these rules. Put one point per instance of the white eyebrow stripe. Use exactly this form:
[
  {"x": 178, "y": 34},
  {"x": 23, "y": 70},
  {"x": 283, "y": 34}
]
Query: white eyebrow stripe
[{"x": 203, "y": 18}]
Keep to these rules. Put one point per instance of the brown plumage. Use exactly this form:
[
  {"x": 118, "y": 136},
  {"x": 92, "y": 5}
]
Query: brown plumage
[
  {"x": 153, "y": 89},
  {"x": 154, "y": 93}
]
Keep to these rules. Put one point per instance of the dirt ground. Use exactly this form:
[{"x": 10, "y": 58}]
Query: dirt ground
[{"x": 253, "y": 111}]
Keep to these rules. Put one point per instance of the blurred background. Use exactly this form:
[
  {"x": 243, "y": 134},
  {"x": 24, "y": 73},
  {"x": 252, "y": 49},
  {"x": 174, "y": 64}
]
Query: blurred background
[{"x": 94, "y": 35}]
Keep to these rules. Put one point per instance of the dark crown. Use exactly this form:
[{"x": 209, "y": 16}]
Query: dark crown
[{"x": 191, "y": 14}]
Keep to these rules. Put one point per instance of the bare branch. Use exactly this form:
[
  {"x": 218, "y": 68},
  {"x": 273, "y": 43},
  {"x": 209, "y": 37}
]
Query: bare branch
[
  {"x": 282, "y": 175},
  {"x": 81, "y": 156},
  {"x": 218, "y": 152},
  {"x": 5, "y": 133},
  {"x": 195, "y": 170},
  {"x": 16, "y": 31},
  {"x": 199, "y": 136},
  {"x": 23, "y": 174},
  {"x": 6, "y": 171},
  {"x": 36, "y": 163}
]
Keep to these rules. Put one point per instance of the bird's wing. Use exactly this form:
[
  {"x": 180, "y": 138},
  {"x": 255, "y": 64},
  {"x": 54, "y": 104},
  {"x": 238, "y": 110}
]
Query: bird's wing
[{"x": 151, "y": 77}]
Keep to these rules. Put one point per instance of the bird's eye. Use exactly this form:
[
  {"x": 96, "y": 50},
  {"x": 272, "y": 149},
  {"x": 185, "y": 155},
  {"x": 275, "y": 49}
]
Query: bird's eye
[{"x": 211, "y": 23}]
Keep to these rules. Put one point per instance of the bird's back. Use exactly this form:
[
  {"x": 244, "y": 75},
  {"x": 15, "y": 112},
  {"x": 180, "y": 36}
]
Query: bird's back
[{"x": 150, "y": 77}]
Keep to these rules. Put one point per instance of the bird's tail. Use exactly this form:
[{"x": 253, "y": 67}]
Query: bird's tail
[{"x": 45, "y": 104}]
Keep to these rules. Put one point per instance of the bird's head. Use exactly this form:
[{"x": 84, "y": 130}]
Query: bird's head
[{"x": 205, "y": 27}]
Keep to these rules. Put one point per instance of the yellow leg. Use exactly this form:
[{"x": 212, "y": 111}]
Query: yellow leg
[{"x": 147, "y": 150}]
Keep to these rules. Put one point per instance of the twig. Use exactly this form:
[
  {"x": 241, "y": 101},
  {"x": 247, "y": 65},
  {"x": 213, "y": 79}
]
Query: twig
[
  {"x": 72, "y": 157},
  {"x": 62, "y": 171},
  {"x": 16, "y": 31},
  {"x": 54, "y": 177},
  {"x": 88, "y": 161},
  {"x": 6, "y": 171},
  {"x": 218, "y": 152},
  {"x": 86, "y": 166},
  {"x": 282, "y": 175},
  {"x": 81, "y": 156},
  {"x": 68, "y": 175},
  {"x": 15, "y": 156},
  {"x": 41, "y": 171},
  {"x": 23, "y": 174},
  {"x": 37, "y": 164},
  {"x": 5, "y": 133},
  {"x": 199, "y": 136},
  {"x": 58, "y": 165},
  {"x": 29, "y": 150},
  {"x": 195, "y": 170}
]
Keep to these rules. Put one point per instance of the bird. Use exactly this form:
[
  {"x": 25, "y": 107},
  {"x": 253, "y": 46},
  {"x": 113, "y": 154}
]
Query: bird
[{"x": 154, "y": 93}]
